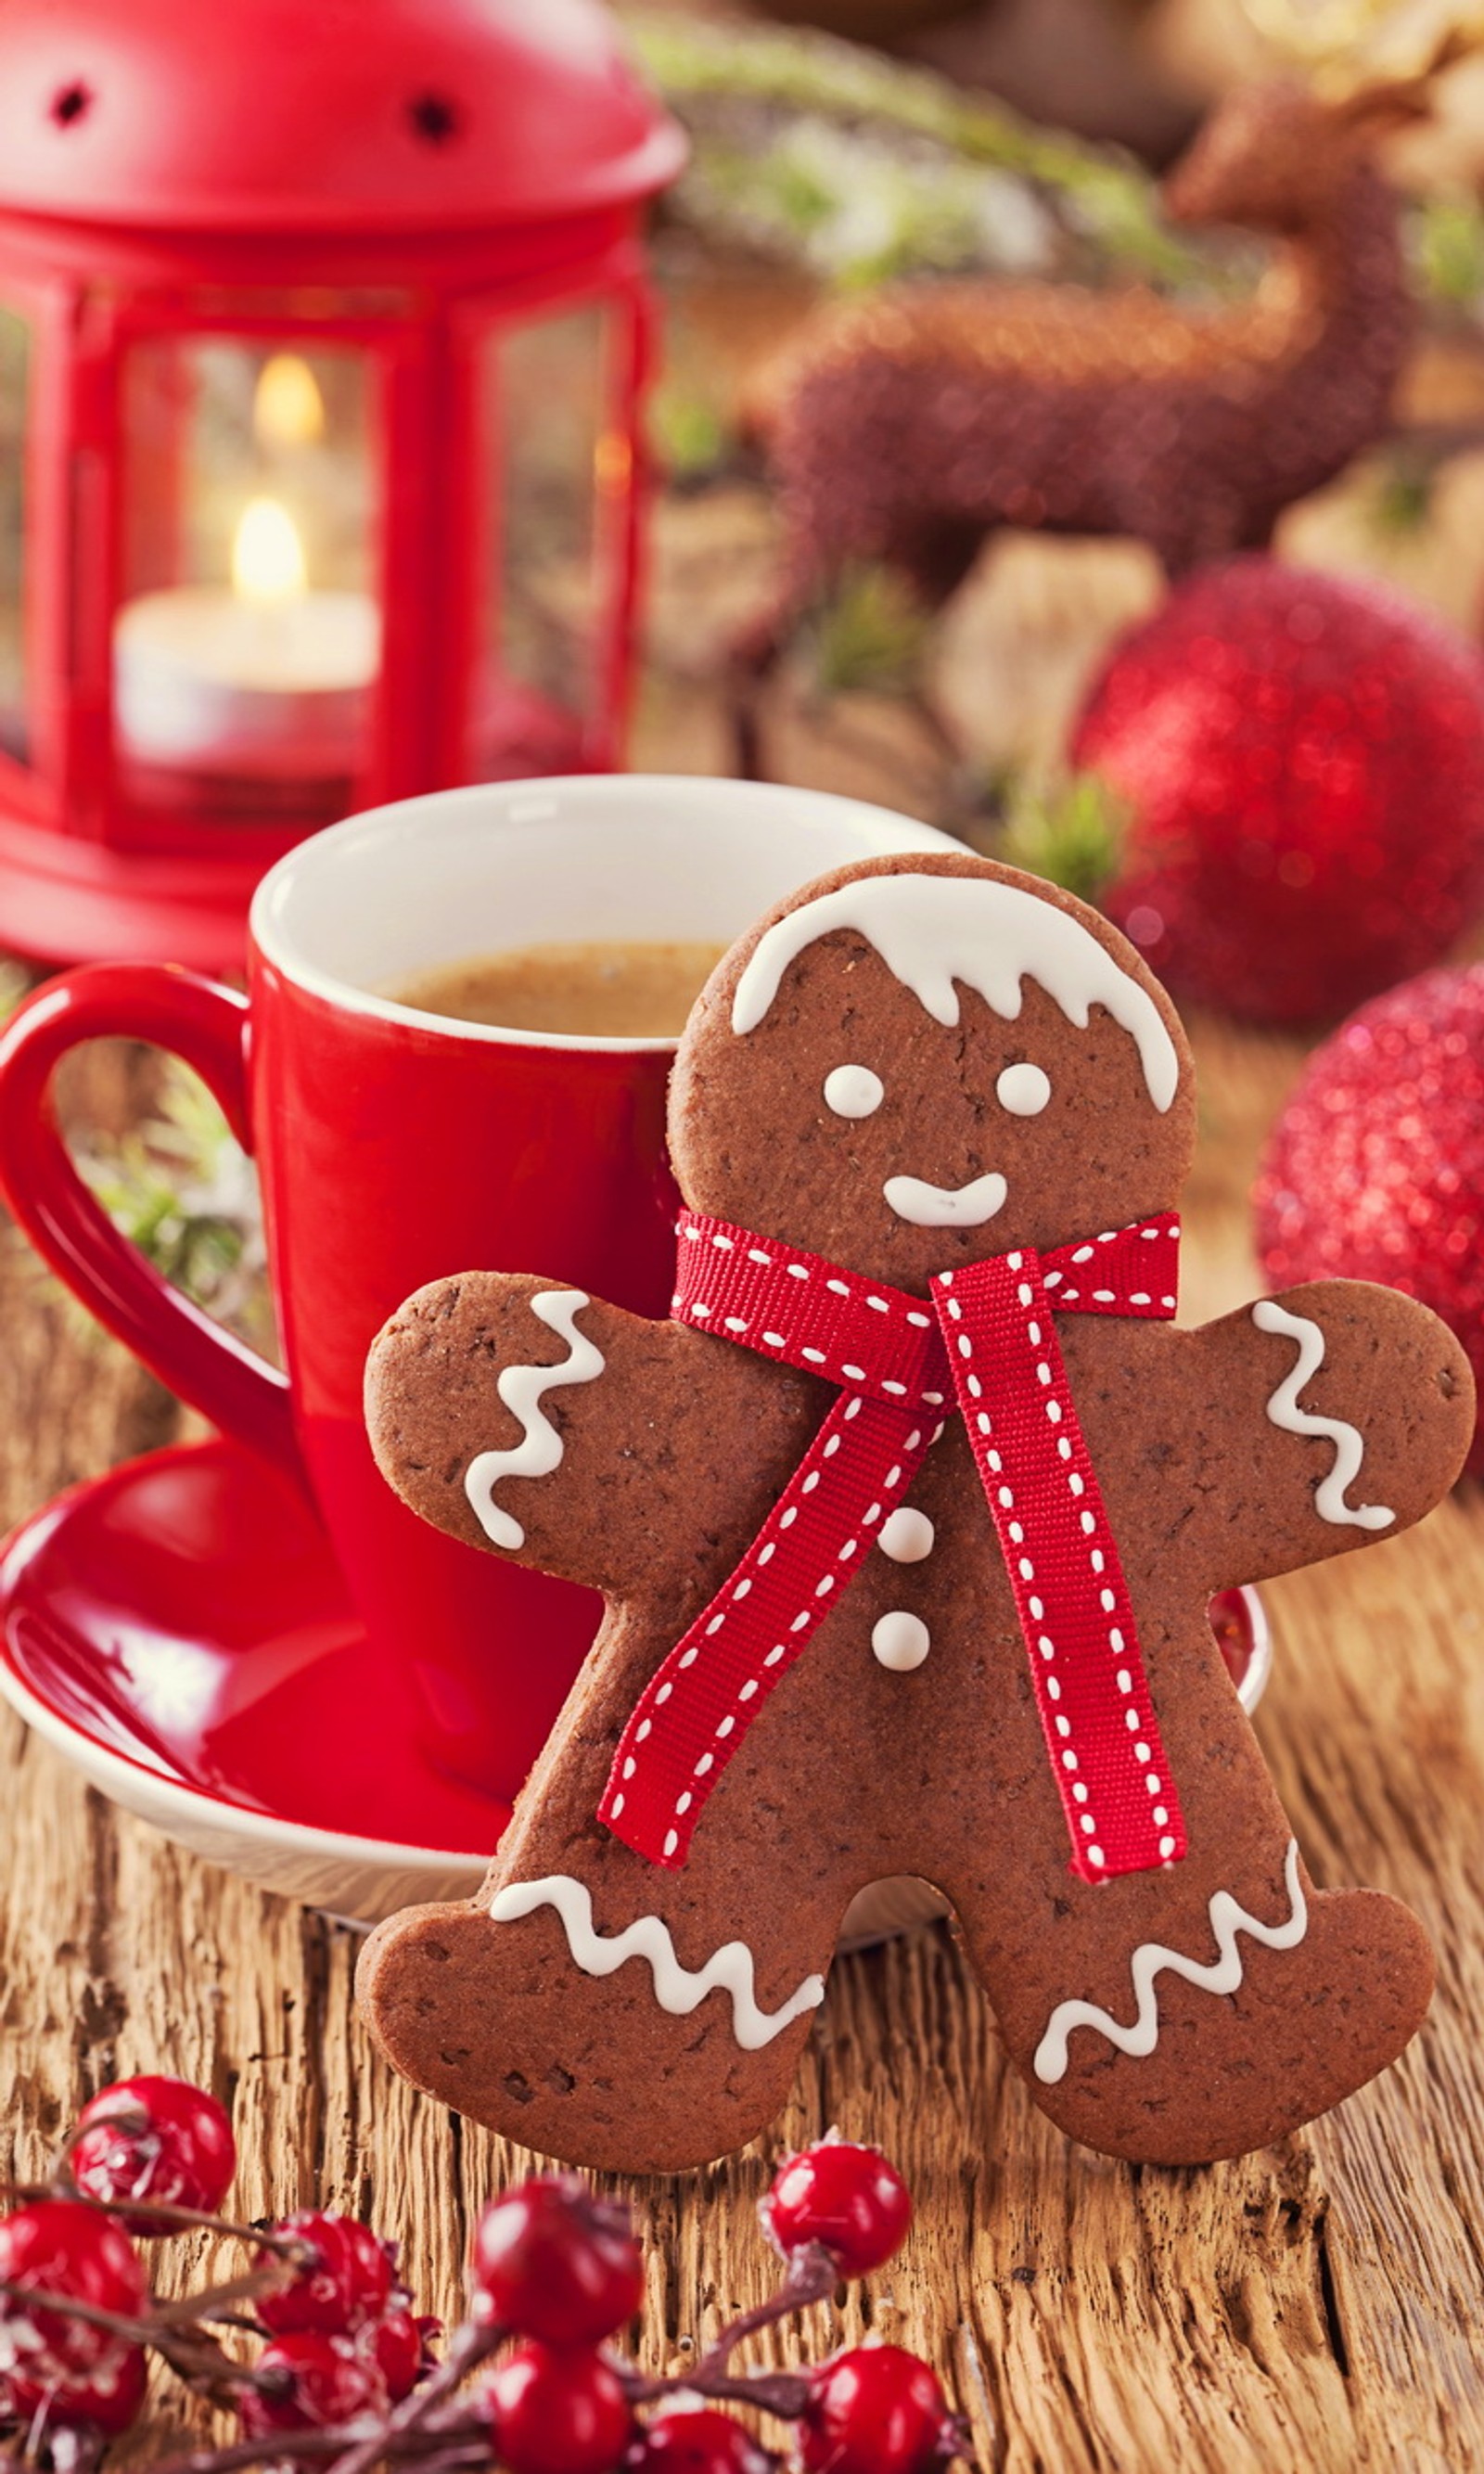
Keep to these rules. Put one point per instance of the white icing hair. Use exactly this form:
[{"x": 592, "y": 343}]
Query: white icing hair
[{"x": 933, "y": 930}]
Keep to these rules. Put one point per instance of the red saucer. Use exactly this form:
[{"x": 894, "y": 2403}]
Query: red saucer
[{"x": 182, "y": 1618}]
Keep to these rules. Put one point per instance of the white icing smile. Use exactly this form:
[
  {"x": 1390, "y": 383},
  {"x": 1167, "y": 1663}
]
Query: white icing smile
[
  {"x": 946, "y": 1206},
  {"x": 678, "y": 1989},
  {"x": 1221, "y": 1975},
  {"x": 1284, "y": 1410},
  {"x": 539, "y": 1450}
]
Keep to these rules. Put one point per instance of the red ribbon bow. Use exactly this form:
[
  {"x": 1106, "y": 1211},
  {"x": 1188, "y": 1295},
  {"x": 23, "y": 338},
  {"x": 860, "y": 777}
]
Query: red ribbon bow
[{"x": 985, "y": 1343}]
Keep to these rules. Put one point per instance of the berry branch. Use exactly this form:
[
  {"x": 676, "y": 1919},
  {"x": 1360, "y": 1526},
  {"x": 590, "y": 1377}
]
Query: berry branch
[{"x": 344, "y": 2376}]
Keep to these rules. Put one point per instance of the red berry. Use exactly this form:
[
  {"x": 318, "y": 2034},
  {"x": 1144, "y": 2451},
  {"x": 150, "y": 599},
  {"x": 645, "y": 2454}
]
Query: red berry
[
  {"x": 348, "y": 2283},
  {"x": 876, "y": 2410},
  {"x": 697, "y": 2440},
  {"x": 109, "y": 2400},
  {"x": 553, "y": 2261},
  {"x": 324, "y": 2381},
  {"x": 557, "y": 2413},
  {"x": 848, "y": 2199},
  {"x": 61, "y": 2246},
  {"x": 396, "y": 2347},
  {"x": 155, "y": 2139}
]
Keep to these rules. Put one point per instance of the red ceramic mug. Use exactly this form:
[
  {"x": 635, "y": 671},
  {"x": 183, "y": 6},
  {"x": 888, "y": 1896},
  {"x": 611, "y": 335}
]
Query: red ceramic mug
[{"x": 395, "y": 1147}]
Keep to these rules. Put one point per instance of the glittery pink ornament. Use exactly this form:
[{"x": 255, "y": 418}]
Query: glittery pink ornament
[
  {"x": 1304, "y": 760},
  {"x": 1374, "y": 1169}
]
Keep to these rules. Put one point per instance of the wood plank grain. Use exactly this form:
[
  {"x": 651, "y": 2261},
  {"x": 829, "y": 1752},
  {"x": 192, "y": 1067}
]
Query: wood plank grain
[{"x": 1314, "y": 2307}]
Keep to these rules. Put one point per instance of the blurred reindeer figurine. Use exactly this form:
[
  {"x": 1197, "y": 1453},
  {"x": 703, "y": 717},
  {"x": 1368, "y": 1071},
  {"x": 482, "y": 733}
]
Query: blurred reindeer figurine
[{"x": 906, "y": 427}]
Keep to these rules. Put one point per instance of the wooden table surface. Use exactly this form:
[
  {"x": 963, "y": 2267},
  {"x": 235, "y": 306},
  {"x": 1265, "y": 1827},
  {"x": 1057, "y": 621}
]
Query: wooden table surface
[{"x": 1318, "y": 2306}]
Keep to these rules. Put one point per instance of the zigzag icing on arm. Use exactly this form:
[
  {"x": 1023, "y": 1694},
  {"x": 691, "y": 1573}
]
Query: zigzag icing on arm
[
  {"x": 539, "y": 1450},
  {"x": 1222, "y": 1975},
  {"x": 678, "y": 1989},
  {"x": 1284, "y": 1410}
]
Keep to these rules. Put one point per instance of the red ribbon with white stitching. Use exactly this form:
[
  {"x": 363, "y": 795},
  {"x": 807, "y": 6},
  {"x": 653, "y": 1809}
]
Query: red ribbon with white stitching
[{"x": 985, "y": 1344}]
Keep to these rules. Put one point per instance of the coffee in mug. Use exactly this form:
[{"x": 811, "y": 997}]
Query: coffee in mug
[{"x": 601, "y": 988}]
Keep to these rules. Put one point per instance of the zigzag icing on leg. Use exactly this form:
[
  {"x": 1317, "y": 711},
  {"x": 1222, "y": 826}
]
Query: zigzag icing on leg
[
  {"x": 1221, "y": 1975},
  {"x": 678, "y": 1989}
]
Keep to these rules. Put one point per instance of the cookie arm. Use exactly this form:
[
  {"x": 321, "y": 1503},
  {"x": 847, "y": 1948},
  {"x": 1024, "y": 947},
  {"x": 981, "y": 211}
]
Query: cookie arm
[
  {"x": 516, "y": 1413},
  {"x": 1329, "y": 1416}
]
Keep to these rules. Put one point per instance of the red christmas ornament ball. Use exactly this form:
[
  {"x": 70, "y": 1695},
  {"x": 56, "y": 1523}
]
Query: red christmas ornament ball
[
  {"x": 1374, "y": 1169},
  {"x": 1302, "y": 760}
]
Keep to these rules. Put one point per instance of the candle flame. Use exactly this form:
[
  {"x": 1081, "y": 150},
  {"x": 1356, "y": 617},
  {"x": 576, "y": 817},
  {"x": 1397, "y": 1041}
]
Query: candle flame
[
  {"x": 267, "y": 555},
  {"x": 288, "y": 409}
]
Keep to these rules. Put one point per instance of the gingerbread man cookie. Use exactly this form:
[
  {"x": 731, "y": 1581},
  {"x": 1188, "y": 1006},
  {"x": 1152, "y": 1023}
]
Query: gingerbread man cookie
[{"x": 908, "y": 1520}]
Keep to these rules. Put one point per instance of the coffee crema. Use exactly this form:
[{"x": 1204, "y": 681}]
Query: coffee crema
[{"x": 596, "y": 989}]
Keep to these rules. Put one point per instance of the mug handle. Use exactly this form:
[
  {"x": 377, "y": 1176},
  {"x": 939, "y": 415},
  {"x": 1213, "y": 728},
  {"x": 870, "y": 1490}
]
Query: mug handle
[{"x": 206, "y": 1027}]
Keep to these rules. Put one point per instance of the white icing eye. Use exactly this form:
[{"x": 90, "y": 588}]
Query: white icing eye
[
  {"x": 854, "y": 1091},
  {"x": 1023, "y": 1089}
]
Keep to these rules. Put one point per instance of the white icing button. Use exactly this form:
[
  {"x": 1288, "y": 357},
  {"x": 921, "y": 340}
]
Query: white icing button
[
  {"x": 854, "y": 1091},
  {"x": 907, "y": 1536},
  {"x": 1023, "y": 1089},
  {"x": 901, "y": 1640}
]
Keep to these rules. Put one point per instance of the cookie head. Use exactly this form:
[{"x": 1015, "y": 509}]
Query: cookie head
[{"x": 918, "y": 1062}]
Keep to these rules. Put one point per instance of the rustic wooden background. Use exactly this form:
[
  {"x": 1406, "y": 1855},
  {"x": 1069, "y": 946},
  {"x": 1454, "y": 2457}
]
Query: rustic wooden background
[{"x": 1315, "y": 2307}]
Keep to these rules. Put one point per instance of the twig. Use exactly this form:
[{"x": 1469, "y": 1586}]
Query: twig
[
  {"x": 434, "y": 2452},
  {"x": 291, "y": 2247},
  {"x": 813, "y": 2276},
  {"x": 195, "y": 2357},
  {"x": 784, "y": 2394},
  {"x": 134, "y": 2332}
]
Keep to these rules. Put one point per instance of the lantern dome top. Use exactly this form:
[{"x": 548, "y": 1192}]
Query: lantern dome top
[{"x": 349, "y": 116}]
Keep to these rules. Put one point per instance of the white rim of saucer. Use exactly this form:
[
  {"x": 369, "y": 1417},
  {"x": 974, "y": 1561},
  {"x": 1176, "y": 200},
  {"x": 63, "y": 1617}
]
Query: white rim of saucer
[
  {"x": 883, "y": 830},
  {"x": 104, "y": 1763}
]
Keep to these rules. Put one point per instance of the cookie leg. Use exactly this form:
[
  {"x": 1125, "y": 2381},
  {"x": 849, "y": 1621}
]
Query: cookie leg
[
  {"x": 601, "y": 2010},
  {"x": 1203, "y": 2010}
]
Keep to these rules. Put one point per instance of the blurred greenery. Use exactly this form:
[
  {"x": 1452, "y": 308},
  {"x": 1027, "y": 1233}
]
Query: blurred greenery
[
  {"x": 1402, "y": 499},
  {"x": 180, "y": 1188},
  {"x": 1072, "y": 833},
  {"x": 689, "y": 435},
  {"x": 871, "y": 634},
  {"x": 822, "y": 150},
  {"x": 1447, "y": 250}
]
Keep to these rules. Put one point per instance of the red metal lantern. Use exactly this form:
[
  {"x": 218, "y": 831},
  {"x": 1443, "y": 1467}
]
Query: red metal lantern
[{"x": 323, "y": 336}]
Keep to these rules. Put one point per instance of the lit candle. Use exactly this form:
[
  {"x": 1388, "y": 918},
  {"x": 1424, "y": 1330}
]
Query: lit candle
[{"x": 268, "y": 680}]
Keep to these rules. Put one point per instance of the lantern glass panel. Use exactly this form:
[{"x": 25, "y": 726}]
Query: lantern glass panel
[
  {"x": 247, "y": 641},
  {"x": 14, "y": 664},
  {"x": 545, "y": 400}
]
